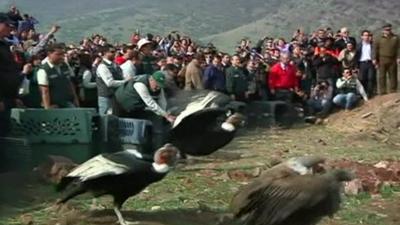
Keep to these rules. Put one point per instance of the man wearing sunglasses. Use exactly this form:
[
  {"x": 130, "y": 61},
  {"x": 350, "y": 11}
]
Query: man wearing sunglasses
[{"x": 387, "y": 52}]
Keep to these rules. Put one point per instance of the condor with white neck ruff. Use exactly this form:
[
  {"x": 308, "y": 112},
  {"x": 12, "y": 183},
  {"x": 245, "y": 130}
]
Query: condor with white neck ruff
[
  {"x": 121, "y": 175},
  {"x": 205, "y": 131}
]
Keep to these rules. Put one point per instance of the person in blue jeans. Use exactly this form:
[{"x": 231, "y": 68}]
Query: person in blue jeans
[
  {"x": 320, "y": 101},
  {"x": 348, "y": 88}
]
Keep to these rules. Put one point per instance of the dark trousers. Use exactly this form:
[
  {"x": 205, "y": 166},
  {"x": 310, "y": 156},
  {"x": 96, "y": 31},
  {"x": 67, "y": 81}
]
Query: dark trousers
[
  {"x": 284, "y": 95},
  {"x": 367, "y": 76},
  {"x": 387, "y": 68},
  {"x": 5, "y": 117}
]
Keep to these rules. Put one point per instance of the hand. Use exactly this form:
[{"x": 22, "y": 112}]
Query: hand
[
  {"x": 272, "y": 91},
  {"x": 375, "y": 62},
  {"x": 54, "y": 29},
  {"x": 170, "y": 118},
  {"x": 97, "y": 61},
  {"x": 76, "y": 102},
  {"x": 27, "y": 69},
  {"x": 398, "y": 61},
  {"x": 246, "y": 94}
]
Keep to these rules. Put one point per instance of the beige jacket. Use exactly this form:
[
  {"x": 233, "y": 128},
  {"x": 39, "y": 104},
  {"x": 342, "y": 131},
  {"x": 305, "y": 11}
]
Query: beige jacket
[{"x": 193, "y": 77}]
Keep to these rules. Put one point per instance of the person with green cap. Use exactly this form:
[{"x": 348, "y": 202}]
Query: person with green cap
[{"x": 142, "y": 94}]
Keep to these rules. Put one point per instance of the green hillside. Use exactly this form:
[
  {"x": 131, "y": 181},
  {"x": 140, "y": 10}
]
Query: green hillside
[{"x": 223, "y": 22}]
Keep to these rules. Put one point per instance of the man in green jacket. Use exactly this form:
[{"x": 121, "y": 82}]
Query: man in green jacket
[
  {"x": 236, "y": 80},
  {"x": 386, "y": 58},
  {"x": 143, "y": 98},
  {"x": 141, "y": 93}
]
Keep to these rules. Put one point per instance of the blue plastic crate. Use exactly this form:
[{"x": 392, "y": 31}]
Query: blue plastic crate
[
  {"x": 125, "y": 130},
  {"x": 133, "y": 131},
  {"x": 65, "y": 126}
]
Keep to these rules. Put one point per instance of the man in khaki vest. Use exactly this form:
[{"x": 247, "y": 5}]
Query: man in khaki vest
[{"x": 386, "y": 58}]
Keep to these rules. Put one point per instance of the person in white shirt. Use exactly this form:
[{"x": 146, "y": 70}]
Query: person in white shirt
[
  {"x": 367, "y": 70},
  {"x": 56, "y": 88},
  {"x": 109, "y": 77},
  {"x": 348, "y": 86},
  {"x": 129, "y": 68}
]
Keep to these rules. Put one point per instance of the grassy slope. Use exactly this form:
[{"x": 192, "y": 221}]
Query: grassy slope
[{"x": 221, "y": 21}]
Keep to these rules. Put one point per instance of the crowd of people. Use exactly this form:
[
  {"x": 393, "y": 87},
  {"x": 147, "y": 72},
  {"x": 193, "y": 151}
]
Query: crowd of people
[{"x": 316, "y": 72}]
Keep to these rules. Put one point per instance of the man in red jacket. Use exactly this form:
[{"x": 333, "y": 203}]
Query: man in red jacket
[{"x": 282, "y": 79}]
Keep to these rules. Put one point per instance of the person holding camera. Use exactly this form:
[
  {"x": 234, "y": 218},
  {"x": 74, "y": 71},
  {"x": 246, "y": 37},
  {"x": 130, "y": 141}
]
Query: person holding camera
[
  {"x": 320, "y": 102},
  {"x": 348, "y": 86}
]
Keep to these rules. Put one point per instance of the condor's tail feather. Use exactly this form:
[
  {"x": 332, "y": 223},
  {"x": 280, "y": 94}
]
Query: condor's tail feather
[
  {"x": 74, "y": 192},
  {"x": 65, "y": 181}
]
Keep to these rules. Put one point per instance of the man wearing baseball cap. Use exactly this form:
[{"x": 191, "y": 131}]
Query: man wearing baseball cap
[
  {"x": 143, "y": 98},
  {"x": 141, "y": 93},
  {"x": 386, "y": 58},
  {"x": 10, "y": 78}
]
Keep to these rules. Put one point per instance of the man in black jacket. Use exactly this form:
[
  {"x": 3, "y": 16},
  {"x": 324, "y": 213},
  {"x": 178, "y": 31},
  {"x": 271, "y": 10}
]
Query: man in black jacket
[
  {"x": 341, "y": 43},
  {"x": 364, "y": 56},
  {"x": 10, "y": 78},
  {"x": 326, "y": 66}
]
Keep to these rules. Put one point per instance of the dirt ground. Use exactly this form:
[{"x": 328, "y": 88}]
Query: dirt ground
[
  {"x": 378, "y": 118},
  {"x": 199, "y": 193}
]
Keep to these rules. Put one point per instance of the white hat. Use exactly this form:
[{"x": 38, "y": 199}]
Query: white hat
[{"x": 143, "y": 42}]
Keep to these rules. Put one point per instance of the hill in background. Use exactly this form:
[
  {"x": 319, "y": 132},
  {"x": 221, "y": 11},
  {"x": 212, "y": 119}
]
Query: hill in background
[{"x": 223, "y": 22}]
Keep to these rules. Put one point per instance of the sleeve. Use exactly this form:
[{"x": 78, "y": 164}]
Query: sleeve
[
  {"x": 229, "y": 82},
  {"x": 40, "y": 46},
  {"x": 128, "y": 70},
  {"x": 148, "y": 100},
  {"x": 86, "y": 77},
  {"x": 317, "y": 61},
  {"x": 340, "y": 82},
  {"x": 272, "y": 78},
  {"x": 341, "y": 55},
  {"x": 106, "y": 76},
  {"x": 207, "y": 78},
  {"x": 42, "y": 78},
  {"x": 329, "y": 92},
  {"x": 162, "y": 101},
  {"x": 376, "y": 50},
  {"x": 361, "y": 90}
]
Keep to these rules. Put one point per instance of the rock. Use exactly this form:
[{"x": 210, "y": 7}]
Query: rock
[
  {"x": 155, "y": 208},
  {"x": 353, "y": 187},
  {"x": 366, "y": 115},
  {"x": 26, "y": 219},
  {"x": 372, "y": 185},
  {"x": 382, "y": 164},
  {"x": 256, "y": 172},
  {"x": 239, "y": 175},
  {"x": 55, "y": 168}
]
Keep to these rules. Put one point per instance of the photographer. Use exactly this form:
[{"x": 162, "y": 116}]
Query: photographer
[
  {"x": 320, "y": 101},
  {"x": 348, "y": 86}
]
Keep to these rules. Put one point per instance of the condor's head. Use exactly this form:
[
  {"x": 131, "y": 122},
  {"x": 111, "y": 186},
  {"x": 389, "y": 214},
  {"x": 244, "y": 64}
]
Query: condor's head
[
  {"x": 166, "y": 155},
  {"x": 233, "y": 122}
]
